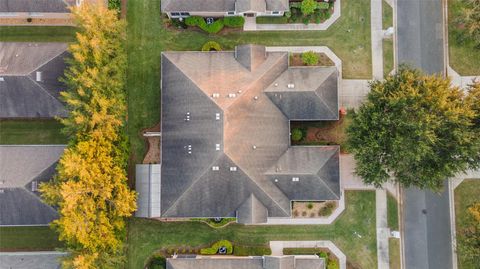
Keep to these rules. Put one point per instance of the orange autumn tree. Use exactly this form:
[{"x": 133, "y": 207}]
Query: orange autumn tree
[{"x": 90, "y": 189}]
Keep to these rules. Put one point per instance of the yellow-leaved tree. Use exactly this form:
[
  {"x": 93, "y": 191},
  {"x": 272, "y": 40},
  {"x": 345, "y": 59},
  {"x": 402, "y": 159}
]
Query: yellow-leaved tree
[{"x": 90, "y": 188}]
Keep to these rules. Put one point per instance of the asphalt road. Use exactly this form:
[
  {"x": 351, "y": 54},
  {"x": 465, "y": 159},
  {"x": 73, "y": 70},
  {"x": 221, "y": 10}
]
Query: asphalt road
[
  {"x": 426, "y": 215},
  {"x": 420, "y": 34}
]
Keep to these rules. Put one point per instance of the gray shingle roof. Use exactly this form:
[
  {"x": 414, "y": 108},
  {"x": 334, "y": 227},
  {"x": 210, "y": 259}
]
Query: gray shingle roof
[
  {"x": 251, "y": 5},
  {"x": 252, "y": 211},
  {"x": 311, "y": 96},
  {"x": 265, "y": 262},
  {"x": 54, "y": 6},
  {"x": 19, "y": 167},
  {"x": 30, "y": 74},
  {"x": 30, "y": 260},
  {"x": 224, "y": 5},
  {"x": 221, "y": 134}
]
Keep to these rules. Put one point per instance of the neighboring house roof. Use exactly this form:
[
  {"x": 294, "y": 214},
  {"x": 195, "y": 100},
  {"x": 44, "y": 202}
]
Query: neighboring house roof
[
  {"x": 252, "y": 211},
  {"x": 222, "y": 136},
  {"x": 239, "y": 6},
  {"x": 31, "y": 260},
  {"x": 21, "y": 169},
  {"x": 265, "y": 262},
  {"x": 54, "y": 6},
  {"x": 29, "y": 79}
]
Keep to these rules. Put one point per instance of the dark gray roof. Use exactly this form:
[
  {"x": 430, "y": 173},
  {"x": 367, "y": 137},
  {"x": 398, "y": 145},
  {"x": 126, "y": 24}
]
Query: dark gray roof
[
  {"x": 250, "y": 56},
  {"x": 224, "y": 5},
  {"x": 252, "y": 211},
  {"x": 265, "y": 262},
  {"x": 316, "y": 170},
  {"x": 29, "y": 84},
  {"x": 221, "y": 134},
  {"x": 19, "y": 167},
  {"x": 310, "y": 95},
  {"x": 54, "y": 6}
]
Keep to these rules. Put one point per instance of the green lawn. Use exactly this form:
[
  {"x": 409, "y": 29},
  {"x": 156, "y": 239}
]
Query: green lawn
[
  {"x": 387, "y": 43},
  {"x": 31, "y": 132},
  {"x": 37, "y": 34},
  {"x": 465, "y": 195},
  {"x": 28, "y": 238},
  {"x": 463, "y": 56},
  {"x": 392, "y": 212},
  {"x": 349, "y": 38},
  {"x": 146, "y": 236},
  {"x": 394, "y": 253},
  {"x": 387, "y": 56},
  {"x": 387, "y": 15}
]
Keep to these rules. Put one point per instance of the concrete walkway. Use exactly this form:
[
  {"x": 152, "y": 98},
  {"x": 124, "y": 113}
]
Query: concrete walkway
[
  {"x": 383, "y": 232},
  {"x": 253, "y": 26},
  {"x": 461, "y": 81},
  {"x": 278, "y": 246},
  {"x": 377, "y": 38}
]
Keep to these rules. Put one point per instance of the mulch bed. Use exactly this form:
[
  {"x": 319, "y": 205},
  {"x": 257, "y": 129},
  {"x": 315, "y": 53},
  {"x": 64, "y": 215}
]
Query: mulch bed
[{"x": 324, "y": 60}]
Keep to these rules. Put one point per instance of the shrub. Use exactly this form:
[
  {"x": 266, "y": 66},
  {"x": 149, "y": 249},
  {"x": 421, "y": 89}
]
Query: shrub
[
  {"x": 114, "y": 4},
  {"x": 327, "y": 209},
  {"x": 29, "y": 19},
  {"x": 216, "y": 246},
  {"x": 332, "y": 264},
  {"x": 234, "y": 21},
  {"x": 251, "y": 250},
  {"x": 306, "y": 20},
  {"x": 288, "y": 14},
  {"x": 211, "y": 46},
  {"x": 310, "y": 58},
  {"x": 309, "y": 205},
  {"x": 157, "y": 262},
  {"x": 297, "y": 134},
  {"x": 308, "y": 7},
  {"x": 323, "y": 255},
  {"x": 194, "y": 20},
  {"x": 323, "y": 5}
]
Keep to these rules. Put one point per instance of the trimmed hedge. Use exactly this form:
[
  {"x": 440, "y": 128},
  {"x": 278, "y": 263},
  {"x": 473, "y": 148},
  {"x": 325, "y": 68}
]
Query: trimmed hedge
[
  {"x": 200, "y": 22},
  {"x": 234, "y": 21},
  {"x": 209, "y": 46},
  {"x": 251, "y": 250},
  {"x": 216, "y": 246}
]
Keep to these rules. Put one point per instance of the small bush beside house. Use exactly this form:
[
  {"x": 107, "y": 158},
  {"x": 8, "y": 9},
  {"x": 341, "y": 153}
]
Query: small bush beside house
[
  {"x": 211, "y": 46},
  {"x": 234, "y": 22},
  {"x": 200, "y": 22},
  {"x": 214, "y": 249},
  {"x": 297, "y": 134},
  {"x": 310, "y": 58},
  {"x": 308, "y": 7}
]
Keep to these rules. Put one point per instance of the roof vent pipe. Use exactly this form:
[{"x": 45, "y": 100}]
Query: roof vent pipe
[{"x": 38, "y": 76}]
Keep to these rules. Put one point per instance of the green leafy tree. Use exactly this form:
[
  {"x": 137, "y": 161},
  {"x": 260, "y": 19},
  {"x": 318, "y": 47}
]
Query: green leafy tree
[
  {"x": 310, "y": 58},
  {"x": 308, "y": 7},
  {"x": 415, "y": 129}
]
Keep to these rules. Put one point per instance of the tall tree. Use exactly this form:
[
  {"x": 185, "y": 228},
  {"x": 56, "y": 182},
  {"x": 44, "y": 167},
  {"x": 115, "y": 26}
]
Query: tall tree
[
  {"x": 415, "y": 129},
  {"x": 90, "y": 189}
]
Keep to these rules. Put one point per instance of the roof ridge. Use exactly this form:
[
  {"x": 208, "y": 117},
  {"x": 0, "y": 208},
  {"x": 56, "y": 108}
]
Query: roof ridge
[
  {"x": 47, "y": 61},
  {"x": 43, "y": 89},
  {"x": 331, "y": 156},
  {"x": 260, "y": 76},
  {"x": 256, "y": 183},
  {"x": 321, "y": 99},
  {"x": 37, "y": 198}
]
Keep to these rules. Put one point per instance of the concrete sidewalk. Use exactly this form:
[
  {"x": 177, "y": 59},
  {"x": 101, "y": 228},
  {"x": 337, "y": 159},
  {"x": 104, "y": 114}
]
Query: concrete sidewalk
[{"x": 383, "y": 232}]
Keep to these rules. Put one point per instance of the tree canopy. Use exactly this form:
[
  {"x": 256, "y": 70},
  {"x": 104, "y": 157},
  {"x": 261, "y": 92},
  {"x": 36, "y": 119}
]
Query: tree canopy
[
  {"x": 90, "y": 189},
  {"x": 415, "y": 129}
]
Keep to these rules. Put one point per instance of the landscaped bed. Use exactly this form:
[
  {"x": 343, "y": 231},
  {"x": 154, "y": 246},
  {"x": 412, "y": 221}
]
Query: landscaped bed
[
  {"x": 322, "y": 132},
  {"x": 295, "y": 15},
  {"x": 314, "y": 209},
  {"x": 145, "y": 237},
  {"x": 323, "y": 60}
]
